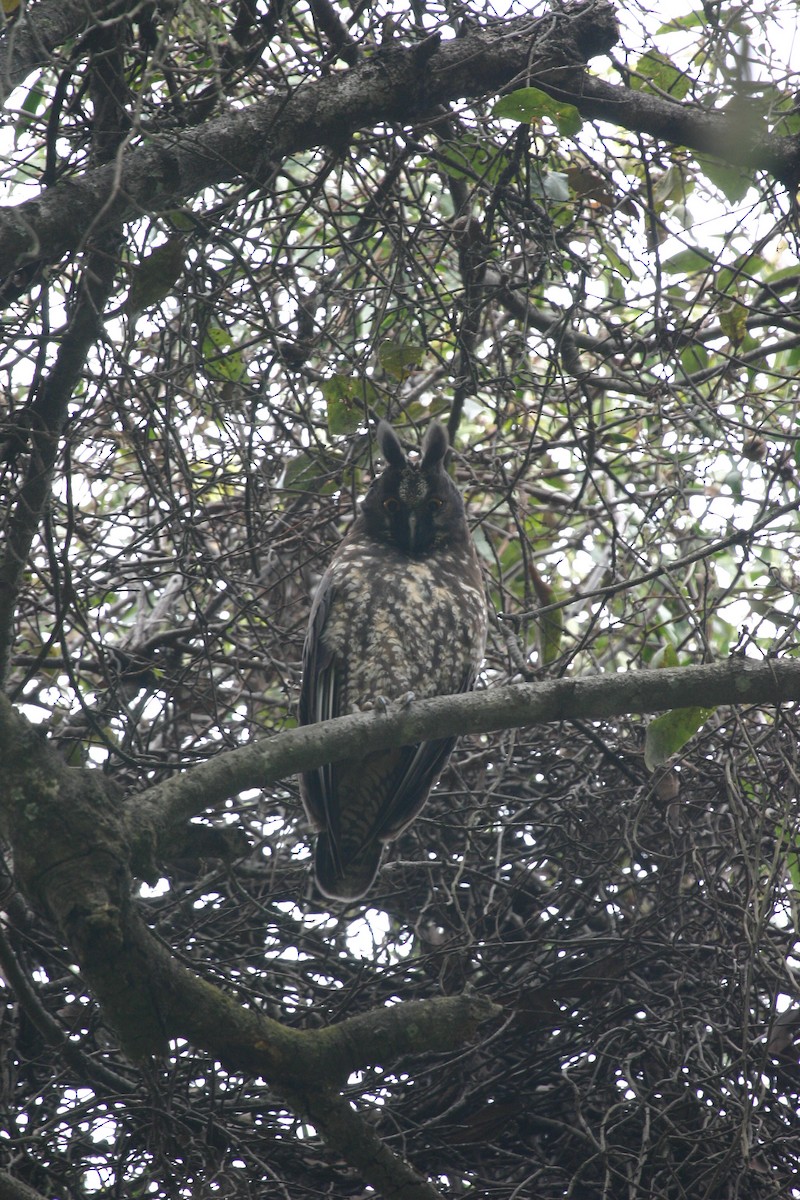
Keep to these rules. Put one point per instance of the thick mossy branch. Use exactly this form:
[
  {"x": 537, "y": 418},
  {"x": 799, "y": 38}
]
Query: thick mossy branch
[
  {"x": 71, "y": 840},
  {"x": 14, "y": 1189},
  {"x": 71, "y": 862},
  {"x": 398, "y": 84},
  {"x": 29, "y": 40}
]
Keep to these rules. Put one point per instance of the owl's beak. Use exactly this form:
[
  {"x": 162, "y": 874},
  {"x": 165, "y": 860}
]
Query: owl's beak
[{"x": 412, "y": 530}]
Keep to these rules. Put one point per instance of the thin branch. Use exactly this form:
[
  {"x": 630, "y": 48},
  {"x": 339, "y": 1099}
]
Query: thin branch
[{"x": 87, "y": 1070}]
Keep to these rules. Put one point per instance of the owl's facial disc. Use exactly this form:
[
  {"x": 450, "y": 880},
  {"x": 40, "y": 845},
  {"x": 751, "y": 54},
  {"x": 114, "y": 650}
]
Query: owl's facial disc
[{"x": 413, "y": 521}]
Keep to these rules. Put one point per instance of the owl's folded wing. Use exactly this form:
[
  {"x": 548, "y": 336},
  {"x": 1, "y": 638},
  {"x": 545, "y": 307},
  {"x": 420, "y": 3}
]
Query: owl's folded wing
[
  {"x": 319, "y": 701},
  {"x": 417, "y": 770}
]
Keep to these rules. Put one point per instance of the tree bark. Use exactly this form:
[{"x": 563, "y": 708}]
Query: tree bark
[
  {"x": 399, "y": 85},
  {"x": 159, "y": 811}
]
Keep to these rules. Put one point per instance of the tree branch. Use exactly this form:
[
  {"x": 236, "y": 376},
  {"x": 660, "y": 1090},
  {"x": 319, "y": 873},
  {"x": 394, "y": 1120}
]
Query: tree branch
[
  {"x": 70, "y": 860},
  {"x": 29, "y": 40},
  {"x": 45, "y": 420},
  {"x": 398, "y": 84},
  {"x": 153, "y": 815},
  {"x": 66, "y": 836},
  {"x": 343, "y": 1128},
  {"x": 747, "y": 144},
  {"x": 549, "y": 52},
  {"x": 15, "y": 1189}
]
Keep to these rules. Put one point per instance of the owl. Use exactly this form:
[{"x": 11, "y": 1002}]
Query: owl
[{"x": 400, "y": 612}]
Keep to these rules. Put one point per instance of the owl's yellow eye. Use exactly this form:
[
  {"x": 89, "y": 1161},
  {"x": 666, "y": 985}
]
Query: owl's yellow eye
[
  {"x": 391, "y": 505},
  {"x": 435, "y": 504}
]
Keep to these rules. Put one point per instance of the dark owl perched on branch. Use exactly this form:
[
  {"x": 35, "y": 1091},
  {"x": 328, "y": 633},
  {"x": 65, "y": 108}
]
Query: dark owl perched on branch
[{"x": 401, "y": 609}]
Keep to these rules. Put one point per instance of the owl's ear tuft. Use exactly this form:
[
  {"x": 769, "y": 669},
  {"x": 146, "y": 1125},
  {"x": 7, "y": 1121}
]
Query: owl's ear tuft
[
  {"x": 390, "y": 446},
  {"x": 434, "y": 446}
]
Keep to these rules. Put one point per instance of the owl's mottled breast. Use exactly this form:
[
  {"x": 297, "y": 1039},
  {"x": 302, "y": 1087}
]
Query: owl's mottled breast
[{"x": 418, "y": 624}]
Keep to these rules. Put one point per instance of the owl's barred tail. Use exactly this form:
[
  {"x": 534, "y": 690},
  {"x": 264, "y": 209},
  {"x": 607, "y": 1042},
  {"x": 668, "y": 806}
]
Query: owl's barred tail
[{"x": 351, "y": 880}]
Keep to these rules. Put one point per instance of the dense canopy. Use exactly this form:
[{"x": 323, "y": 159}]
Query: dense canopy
[{"x": 234, "y": 237}]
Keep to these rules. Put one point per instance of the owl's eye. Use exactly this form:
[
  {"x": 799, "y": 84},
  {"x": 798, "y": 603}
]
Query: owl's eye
[
  {"x": 435, "y": 504},
  {"x": 391, "y": 505}
]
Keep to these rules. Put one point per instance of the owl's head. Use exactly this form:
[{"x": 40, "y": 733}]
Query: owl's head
[{"x": 414, "y": 506}]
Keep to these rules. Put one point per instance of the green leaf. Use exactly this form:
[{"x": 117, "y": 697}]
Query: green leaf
[
  {"x": 551, "y": 624},
  {"x": 791, "y": 848},
  {"x": 733, "y": 321},
  {"x": 556, "y": 186},
  {"x": 348, "y": 397},
  {"x": 694, "y": 358},
  {"x": 690, "y": 21},
  {"x": 527, "y": 105},
  {"x": 665, "y": 656},
  {"x": 469, "y": 158},
  {"x": 732, "y": 181},
  {"x": 776, "y": 277},
  {"x": 670, "y": 186},
  {"x": 313, "y": 471},
  {"x": 155, "y": 276},
  {"x": 656, "y": 72},
  {"x": 669, "y": 732},
  {"x": 735, "y": 482},
  {"x": 399, "y": 359},
  {"x": 35, "y": 99},
  {"x": 741, "y": 272},
  {"x": 220, "y": 361},
  {"x": 685, "y": 262}
]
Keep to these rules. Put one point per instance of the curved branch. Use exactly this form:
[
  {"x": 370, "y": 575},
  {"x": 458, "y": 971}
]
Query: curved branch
[
  {"x": 47, "y": 415},
  {"x": 29, "y": 40},
  {"x": 747, "y": 144},
  {"x": 77, "y": 876},
  {"x": 70, "y": 853},
  {"x": 397, "y": 84},
  {"x": 550, "y": 52},
  {"x": 155, "y": 814}
]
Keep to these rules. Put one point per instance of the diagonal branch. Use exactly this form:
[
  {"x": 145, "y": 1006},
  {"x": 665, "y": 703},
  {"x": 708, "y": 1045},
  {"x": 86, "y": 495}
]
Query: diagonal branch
[
  {"x": 397, "y": 84},
  {"x": 157, "y": 813},
  {"x": 747, "y": 144},
  {"x": 45, "y": 421},
  {"x": 15, "y": 1189},
  {"x": 346, "y": 1130}
]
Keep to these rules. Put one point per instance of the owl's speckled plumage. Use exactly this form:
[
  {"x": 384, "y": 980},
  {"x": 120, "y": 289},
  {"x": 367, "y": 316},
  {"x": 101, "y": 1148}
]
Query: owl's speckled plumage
[{"x": 400, "y": 609}]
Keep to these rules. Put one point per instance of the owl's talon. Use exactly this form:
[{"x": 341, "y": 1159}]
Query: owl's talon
[
  {"x": 407, "y": 699},
  {"x": 381, "y": 705}
]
